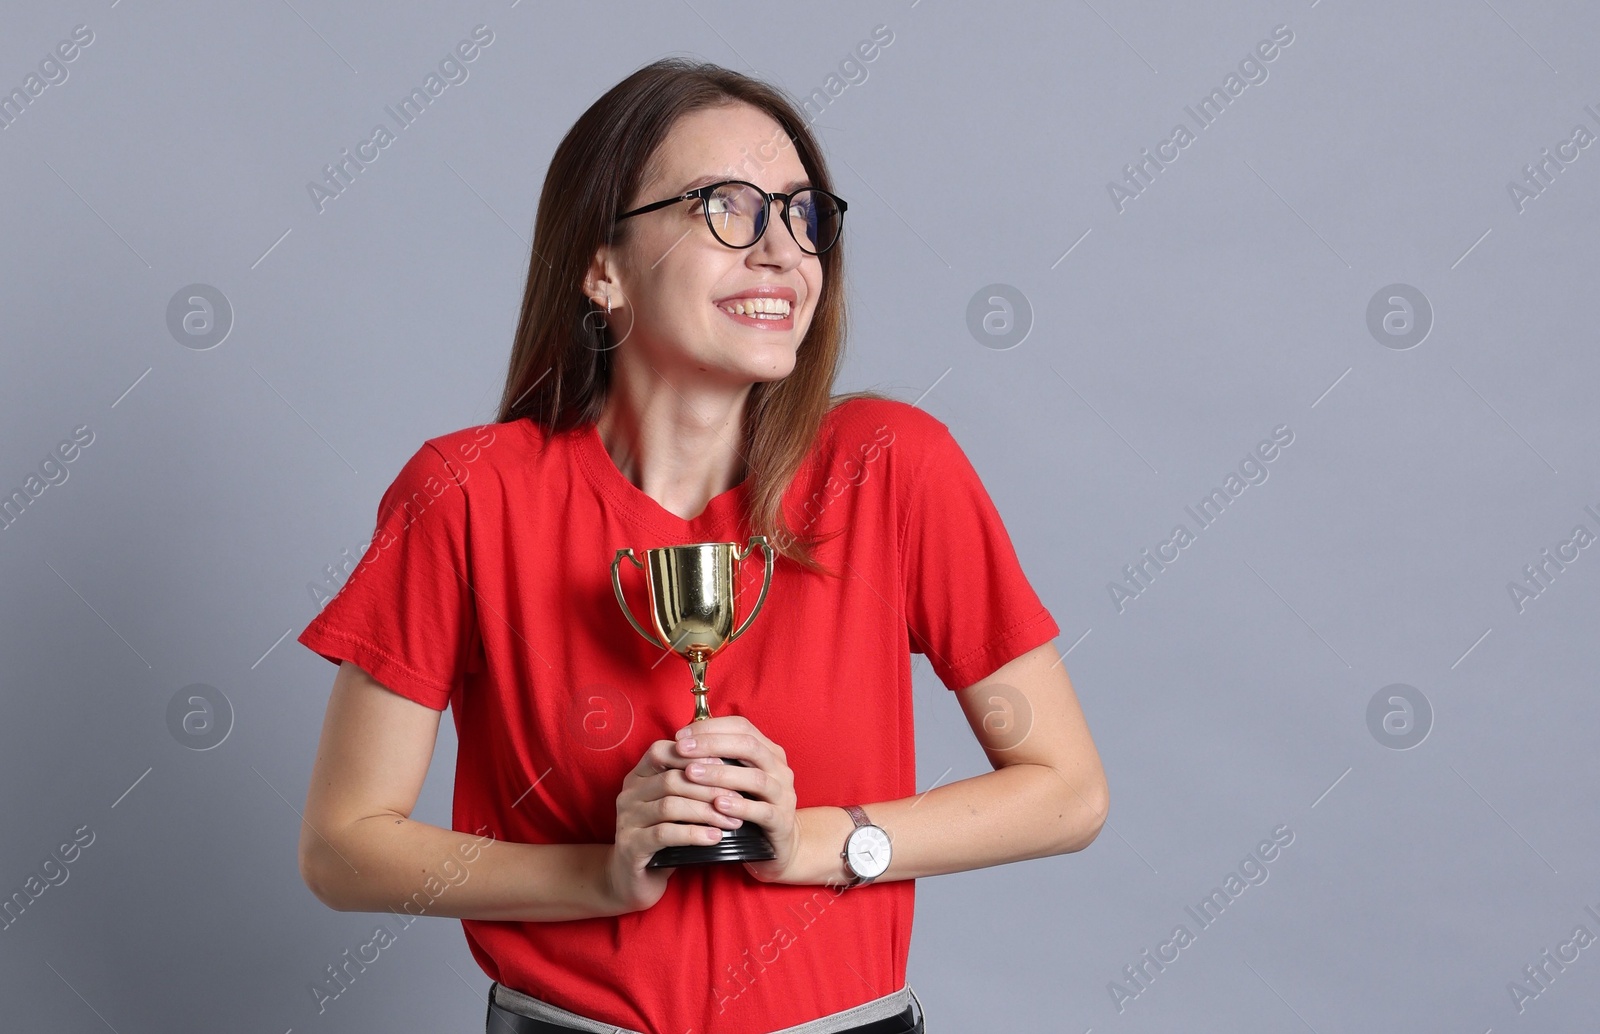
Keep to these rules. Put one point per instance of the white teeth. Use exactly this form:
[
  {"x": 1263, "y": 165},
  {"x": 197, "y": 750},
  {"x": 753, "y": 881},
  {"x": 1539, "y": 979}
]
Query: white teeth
[{"x": 760, "y": 308}]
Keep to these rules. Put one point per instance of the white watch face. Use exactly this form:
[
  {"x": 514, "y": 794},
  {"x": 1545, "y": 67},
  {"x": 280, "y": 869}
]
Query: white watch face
[{"x": 868, "y": 851}]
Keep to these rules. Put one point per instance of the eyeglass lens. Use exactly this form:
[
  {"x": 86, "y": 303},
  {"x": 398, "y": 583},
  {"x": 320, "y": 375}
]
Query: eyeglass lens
[{"x": 739, "y": 213}]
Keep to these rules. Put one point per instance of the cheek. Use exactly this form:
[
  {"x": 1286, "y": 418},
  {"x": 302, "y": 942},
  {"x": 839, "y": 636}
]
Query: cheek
[
  {"x": 814, "y": 282},
  {"x": 681, "y": 304}
]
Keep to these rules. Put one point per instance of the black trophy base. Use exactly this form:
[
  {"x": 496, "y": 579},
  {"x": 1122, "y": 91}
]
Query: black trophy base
[{"x": 748, "y": 843}]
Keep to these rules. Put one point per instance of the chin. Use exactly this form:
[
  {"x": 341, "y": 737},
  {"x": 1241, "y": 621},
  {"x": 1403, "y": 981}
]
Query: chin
[
  {"x": 759, "y": 374},
  {"x": 772, "y": 362},
  {"x": 781, "y": 367},
  {"x": 774, "y": 377}
]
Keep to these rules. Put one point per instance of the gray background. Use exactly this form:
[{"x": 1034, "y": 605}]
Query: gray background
[{"x": 1163, "y": 342}]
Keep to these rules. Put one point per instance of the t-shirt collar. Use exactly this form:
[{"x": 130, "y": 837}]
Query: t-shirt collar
[{"x": 633, "y": 501}]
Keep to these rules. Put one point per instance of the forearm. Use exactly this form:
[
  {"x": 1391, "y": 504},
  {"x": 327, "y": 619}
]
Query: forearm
[
  {"x": 1007, "y": 815},
  {"x": 386, "y": 863}
]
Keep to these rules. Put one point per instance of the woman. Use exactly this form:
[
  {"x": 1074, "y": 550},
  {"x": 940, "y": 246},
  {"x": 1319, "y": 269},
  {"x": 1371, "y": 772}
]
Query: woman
[{"x": 670, "y": 384}]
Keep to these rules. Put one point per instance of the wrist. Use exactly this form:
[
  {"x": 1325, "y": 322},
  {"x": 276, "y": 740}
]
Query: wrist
[
  {"x": 609, "y": 900},
  {"x": 823, "y": 831}
]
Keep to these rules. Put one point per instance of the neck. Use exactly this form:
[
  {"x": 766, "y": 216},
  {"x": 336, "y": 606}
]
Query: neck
[{"x": 681, "y": 448}]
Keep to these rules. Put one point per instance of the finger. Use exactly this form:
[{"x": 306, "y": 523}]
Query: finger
[
  {"x": 687, "y": 750},
  {"x": 661, "y": 756},
  {"x": 690, "y": 834},
  {"x": 742, "y": 778},
  {"x": 761, "y": 813},
  {"x": 651, "y": 760},
  {"x": 743, "y": 746},
  {"x": 721, "y": 723},
  {"x": 730, "y": 725},
  {"x": 684, "y": 809},
  {"x": 676, "y": 783},
  {"x": 675, "y": 834}
]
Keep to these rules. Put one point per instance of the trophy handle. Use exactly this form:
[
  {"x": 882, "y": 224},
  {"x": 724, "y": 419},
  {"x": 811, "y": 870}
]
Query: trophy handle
[
  {"x": 616, "y": 584},
  {"x": 766, "y": 580}
]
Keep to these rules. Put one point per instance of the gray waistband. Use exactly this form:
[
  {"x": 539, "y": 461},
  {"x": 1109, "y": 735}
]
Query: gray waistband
[{"x": 891, "y": 1004}]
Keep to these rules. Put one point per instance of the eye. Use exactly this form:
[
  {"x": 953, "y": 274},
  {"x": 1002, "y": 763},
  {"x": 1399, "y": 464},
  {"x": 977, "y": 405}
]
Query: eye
[{"x": 734, "y": 200}]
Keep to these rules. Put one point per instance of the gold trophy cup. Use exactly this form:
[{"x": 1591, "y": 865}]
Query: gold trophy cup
[{"x": 692, "y": 612}]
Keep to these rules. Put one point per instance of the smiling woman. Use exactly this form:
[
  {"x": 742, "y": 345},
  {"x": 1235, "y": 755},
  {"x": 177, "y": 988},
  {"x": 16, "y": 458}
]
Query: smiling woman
[{"x": 670, "y": 384}]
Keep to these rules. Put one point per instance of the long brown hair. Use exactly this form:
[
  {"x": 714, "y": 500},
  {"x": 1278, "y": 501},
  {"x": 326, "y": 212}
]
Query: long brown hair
[{"x": 560, "y": 368}]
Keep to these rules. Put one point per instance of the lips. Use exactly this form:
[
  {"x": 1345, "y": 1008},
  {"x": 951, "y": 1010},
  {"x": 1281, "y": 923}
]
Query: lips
[
  {"x": 759, "y": 298},
  {"x": 763, "y": 291}
]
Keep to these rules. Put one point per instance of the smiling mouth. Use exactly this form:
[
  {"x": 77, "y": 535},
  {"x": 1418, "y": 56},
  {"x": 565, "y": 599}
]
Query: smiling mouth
[{"x": 765, "y": 309}]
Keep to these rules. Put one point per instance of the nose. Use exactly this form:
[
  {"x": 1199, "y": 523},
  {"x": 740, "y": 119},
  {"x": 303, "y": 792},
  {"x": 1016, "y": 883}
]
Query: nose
[{"x": 777, "y": 245}]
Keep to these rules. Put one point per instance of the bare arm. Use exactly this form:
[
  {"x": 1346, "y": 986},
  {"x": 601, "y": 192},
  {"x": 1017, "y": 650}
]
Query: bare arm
[
  {"x": 360, "y": 851},
  {"x": 1047, "y": 795}
]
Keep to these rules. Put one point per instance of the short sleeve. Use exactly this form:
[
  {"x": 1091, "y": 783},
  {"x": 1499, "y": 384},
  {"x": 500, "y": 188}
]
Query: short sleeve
[
  {"x": 968, "y": 605},
  {"x": 407, "y": 613}
]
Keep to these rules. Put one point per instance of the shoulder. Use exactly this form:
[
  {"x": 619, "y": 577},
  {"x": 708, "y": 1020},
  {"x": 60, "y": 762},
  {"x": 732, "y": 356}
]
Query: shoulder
[
  {"x": 479, "y": 448},
  {"x": 454, "y": 459},
  {"x": 909, "y": 434},
  {"x": 912, "y": 425},
  {"x": 467, "y": 443}
]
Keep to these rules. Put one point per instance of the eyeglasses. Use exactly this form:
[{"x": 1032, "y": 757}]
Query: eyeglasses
[{"x": 736, "y": 212}]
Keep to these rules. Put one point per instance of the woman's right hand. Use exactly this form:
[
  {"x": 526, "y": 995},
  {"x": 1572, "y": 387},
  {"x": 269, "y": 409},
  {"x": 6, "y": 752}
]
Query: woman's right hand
[{"x": 659, "y": 806}]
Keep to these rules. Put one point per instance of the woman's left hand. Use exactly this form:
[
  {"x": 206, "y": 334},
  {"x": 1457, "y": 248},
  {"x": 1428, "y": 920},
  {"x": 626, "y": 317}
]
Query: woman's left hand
[{"x": 765, "y": 776}]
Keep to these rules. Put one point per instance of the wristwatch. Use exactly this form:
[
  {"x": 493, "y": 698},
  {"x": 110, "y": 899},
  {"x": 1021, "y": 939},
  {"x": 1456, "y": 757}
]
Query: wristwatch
[{"x": 866, "y": 849}]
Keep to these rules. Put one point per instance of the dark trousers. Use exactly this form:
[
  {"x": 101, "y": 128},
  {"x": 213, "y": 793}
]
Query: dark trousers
[{"x": 503, "y": 1021}]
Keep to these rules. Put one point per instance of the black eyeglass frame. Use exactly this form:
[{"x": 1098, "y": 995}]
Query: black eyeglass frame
[{"x": 704, "y": 193}]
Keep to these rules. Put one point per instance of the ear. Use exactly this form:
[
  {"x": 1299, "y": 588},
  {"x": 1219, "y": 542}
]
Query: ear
[{"x": 600, "y": 279}]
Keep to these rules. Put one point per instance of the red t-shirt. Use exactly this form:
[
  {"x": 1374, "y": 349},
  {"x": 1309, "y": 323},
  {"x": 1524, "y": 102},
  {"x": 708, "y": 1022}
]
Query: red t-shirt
[{"x": 487, "y": 587}]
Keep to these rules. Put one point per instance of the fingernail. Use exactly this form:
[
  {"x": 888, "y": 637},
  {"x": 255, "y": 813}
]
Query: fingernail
[
  {"x": 686, "y": 744},
  {"x": 697, "y": 769}
]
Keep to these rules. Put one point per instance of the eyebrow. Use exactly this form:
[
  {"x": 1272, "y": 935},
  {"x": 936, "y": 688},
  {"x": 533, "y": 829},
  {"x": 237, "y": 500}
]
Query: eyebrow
[{"x": 793, "y": 186}]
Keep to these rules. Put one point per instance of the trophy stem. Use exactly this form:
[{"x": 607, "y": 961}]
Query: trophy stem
[{"x": 697, "y": 666}]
